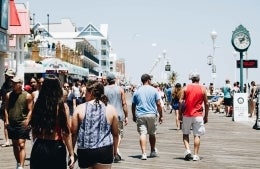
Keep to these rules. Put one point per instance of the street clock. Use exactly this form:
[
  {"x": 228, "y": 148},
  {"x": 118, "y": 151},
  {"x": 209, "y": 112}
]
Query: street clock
[{"x": 241, "y": 39}]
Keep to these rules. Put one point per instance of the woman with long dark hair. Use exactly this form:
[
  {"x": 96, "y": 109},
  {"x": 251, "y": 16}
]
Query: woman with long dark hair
[
  {"x": 95, "y": 127},
  {"x": 176, "y": 94},
  {"x": 51, "y": 129}
]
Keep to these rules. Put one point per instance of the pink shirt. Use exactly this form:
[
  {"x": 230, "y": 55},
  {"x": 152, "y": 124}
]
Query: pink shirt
[{"x": 194, "y": 98}]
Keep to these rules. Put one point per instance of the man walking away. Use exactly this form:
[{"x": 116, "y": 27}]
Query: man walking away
[
  {"x": 116, "y": 97},
  {"x": 145, "y": 108},
  {"x": 193, "y": 114}
]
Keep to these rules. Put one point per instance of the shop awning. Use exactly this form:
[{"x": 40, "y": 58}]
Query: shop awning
[
  {"x": 77, "y": 70},
  {"x": 54, "y": 65},
  {"x": 31, "y": 67},
  {"x": 14, "y": 18}
]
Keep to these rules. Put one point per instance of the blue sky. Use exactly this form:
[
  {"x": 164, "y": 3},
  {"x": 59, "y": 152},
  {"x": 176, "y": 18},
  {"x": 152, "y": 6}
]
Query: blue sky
[{"x": 182, "y": 28}]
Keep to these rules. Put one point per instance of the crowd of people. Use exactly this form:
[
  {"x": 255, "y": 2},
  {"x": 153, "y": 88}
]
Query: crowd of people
[
  {"x": 85, "y": 121},
  {"x": 222, "y": 100},
  {"x": 58, "y": 117}
]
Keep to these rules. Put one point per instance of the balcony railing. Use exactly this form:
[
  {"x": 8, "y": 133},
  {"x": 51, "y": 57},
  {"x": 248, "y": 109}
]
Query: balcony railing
[
  {"x": 94, "y": 59},
  {"x": 92, "y": 71}
]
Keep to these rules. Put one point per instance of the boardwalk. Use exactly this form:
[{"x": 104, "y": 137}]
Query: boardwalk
[{"x": 227, "y": 144}]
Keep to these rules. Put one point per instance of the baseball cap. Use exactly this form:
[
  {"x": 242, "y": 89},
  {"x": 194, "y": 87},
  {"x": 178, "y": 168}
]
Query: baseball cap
[
  {"x": 110, "y": 76},
  {"x": 10, "y": 72},
  {"x": 194, "y": 75},
  {"x": 17, "y": 79}
]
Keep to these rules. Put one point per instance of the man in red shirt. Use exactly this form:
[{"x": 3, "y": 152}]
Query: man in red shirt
[{"x": 193, "y": 114}]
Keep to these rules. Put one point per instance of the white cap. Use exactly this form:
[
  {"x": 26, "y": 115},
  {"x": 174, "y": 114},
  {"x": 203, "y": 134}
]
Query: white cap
[{"x": 194, "y": 75}]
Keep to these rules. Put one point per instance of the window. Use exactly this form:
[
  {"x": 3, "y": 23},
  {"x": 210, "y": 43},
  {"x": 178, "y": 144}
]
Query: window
[
  {"x": 103, "y": 52},
  {"x": 103, "y": 63},
  {"x": 103, "y": 42}
]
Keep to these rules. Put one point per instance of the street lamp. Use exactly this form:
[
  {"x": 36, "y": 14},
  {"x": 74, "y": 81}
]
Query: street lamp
[
  {"x": 164, "y": 63},
  {"x": 210, "y": 58}
]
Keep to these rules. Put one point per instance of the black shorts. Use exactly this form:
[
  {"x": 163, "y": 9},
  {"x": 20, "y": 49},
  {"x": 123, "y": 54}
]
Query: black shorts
[
  {"x": 48, "y": 154},
  {"x": 228, "y": 102},
  {"x": 89, "y": 157},
  {"x": 16, "y": 131}
]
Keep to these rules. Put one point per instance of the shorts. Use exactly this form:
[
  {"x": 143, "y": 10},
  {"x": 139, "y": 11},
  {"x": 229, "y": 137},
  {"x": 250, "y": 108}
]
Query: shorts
[
  {"x": 90, "y": 157},
  {"x": 228, "y": 102},
  {"x": 51, "y": 154},
  {"x": 121, "y": 128},
  {"x": 196, "y": 123},
  {"x": 16, "y": 132},
  {"x": 175, "y": 105},
  {"x": 147, "y": 124}
]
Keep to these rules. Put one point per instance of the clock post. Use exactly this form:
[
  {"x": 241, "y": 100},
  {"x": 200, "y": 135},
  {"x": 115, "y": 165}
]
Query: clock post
[{"x": 241, "y": 42}]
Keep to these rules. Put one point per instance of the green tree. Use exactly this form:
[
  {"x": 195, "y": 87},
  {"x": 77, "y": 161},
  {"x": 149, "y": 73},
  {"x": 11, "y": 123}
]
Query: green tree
[{"x": 173, "y": 76}]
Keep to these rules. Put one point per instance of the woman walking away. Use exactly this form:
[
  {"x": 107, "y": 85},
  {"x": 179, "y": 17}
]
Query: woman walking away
[
  {"x": 176, "y": 93},
  {"x": 95, "y": 127},
  {"x": 50, "y": 129}
]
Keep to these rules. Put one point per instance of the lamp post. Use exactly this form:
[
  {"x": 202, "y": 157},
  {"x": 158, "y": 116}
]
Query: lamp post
[
  {"x": 159, "y": 67},
  {"x": 164, "y": 63},
  {"x": 210, "y": 58},
  {"x": 235, "y": 55},
  {"x": 48, "y": 23}
]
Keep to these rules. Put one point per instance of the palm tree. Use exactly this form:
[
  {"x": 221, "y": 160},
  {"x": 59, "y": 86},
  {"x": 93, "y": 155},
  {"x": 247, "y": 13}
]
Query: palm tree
[{"x": 173, "y": 77}]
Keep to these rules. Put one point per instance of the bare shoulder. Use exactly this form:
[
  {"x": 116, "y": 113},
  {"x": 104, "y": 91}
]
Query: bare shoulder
[
  {"x": 111, "y": 111},
  {"x": 29, "y": 96}
]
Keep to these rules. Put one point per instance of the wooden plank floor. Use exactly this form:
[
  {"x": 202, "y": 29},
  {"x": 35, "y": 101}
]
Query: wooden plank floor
[{"x": 226, "y": 144}]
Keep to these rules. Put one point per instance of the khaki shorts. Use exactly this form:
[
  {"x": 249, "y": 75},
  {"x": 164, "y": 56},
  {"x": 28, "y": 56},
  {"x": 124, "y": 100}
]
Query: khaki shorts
[
  {"x": 194, "y": 123},
  {"x": 147, "y": 124}
]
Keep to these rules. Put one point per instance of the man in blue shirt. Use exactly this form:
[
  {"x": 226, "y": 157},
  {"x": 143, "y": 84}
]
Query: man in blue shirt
[{"x": 145, "y": 108}]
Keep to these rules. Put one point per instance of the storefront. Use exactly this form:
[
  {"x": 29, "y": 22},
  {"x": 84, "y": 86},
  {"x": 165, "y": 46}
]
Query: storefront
[{"x": 55, "y": 66}]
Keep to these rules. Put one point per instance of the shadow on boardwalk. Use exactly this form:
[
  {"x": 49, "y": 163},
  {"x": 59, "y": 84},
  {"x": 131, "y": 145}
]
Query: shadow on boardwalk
[{"x": 226, "y": 144}]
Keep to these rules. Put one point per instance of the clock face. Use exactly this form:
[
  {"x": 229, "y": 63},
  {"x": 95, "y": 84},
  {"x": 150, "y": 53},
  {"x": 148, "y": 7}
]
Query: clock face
[{"x": 241, "y": 41}]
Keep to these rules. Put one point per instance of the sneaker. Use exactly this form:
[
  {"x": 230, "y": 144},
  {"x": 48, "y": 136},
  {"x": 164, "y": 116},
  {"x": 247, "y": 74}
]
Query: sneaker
[
  {"x": 196, "y": 158},
  {"x": 154, "y": 153},
  {"x": 187, "y": 155},
  {"x": 144, "y": 157},
  {"x": 18, "y": 166},
  {"x": 117, "y": 158}
]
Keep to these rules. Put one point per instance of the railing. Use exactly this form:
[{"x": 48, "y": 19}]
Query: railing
[
  {"x": 94, "y": 59},
  {"x": 92, "y": 71}
]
